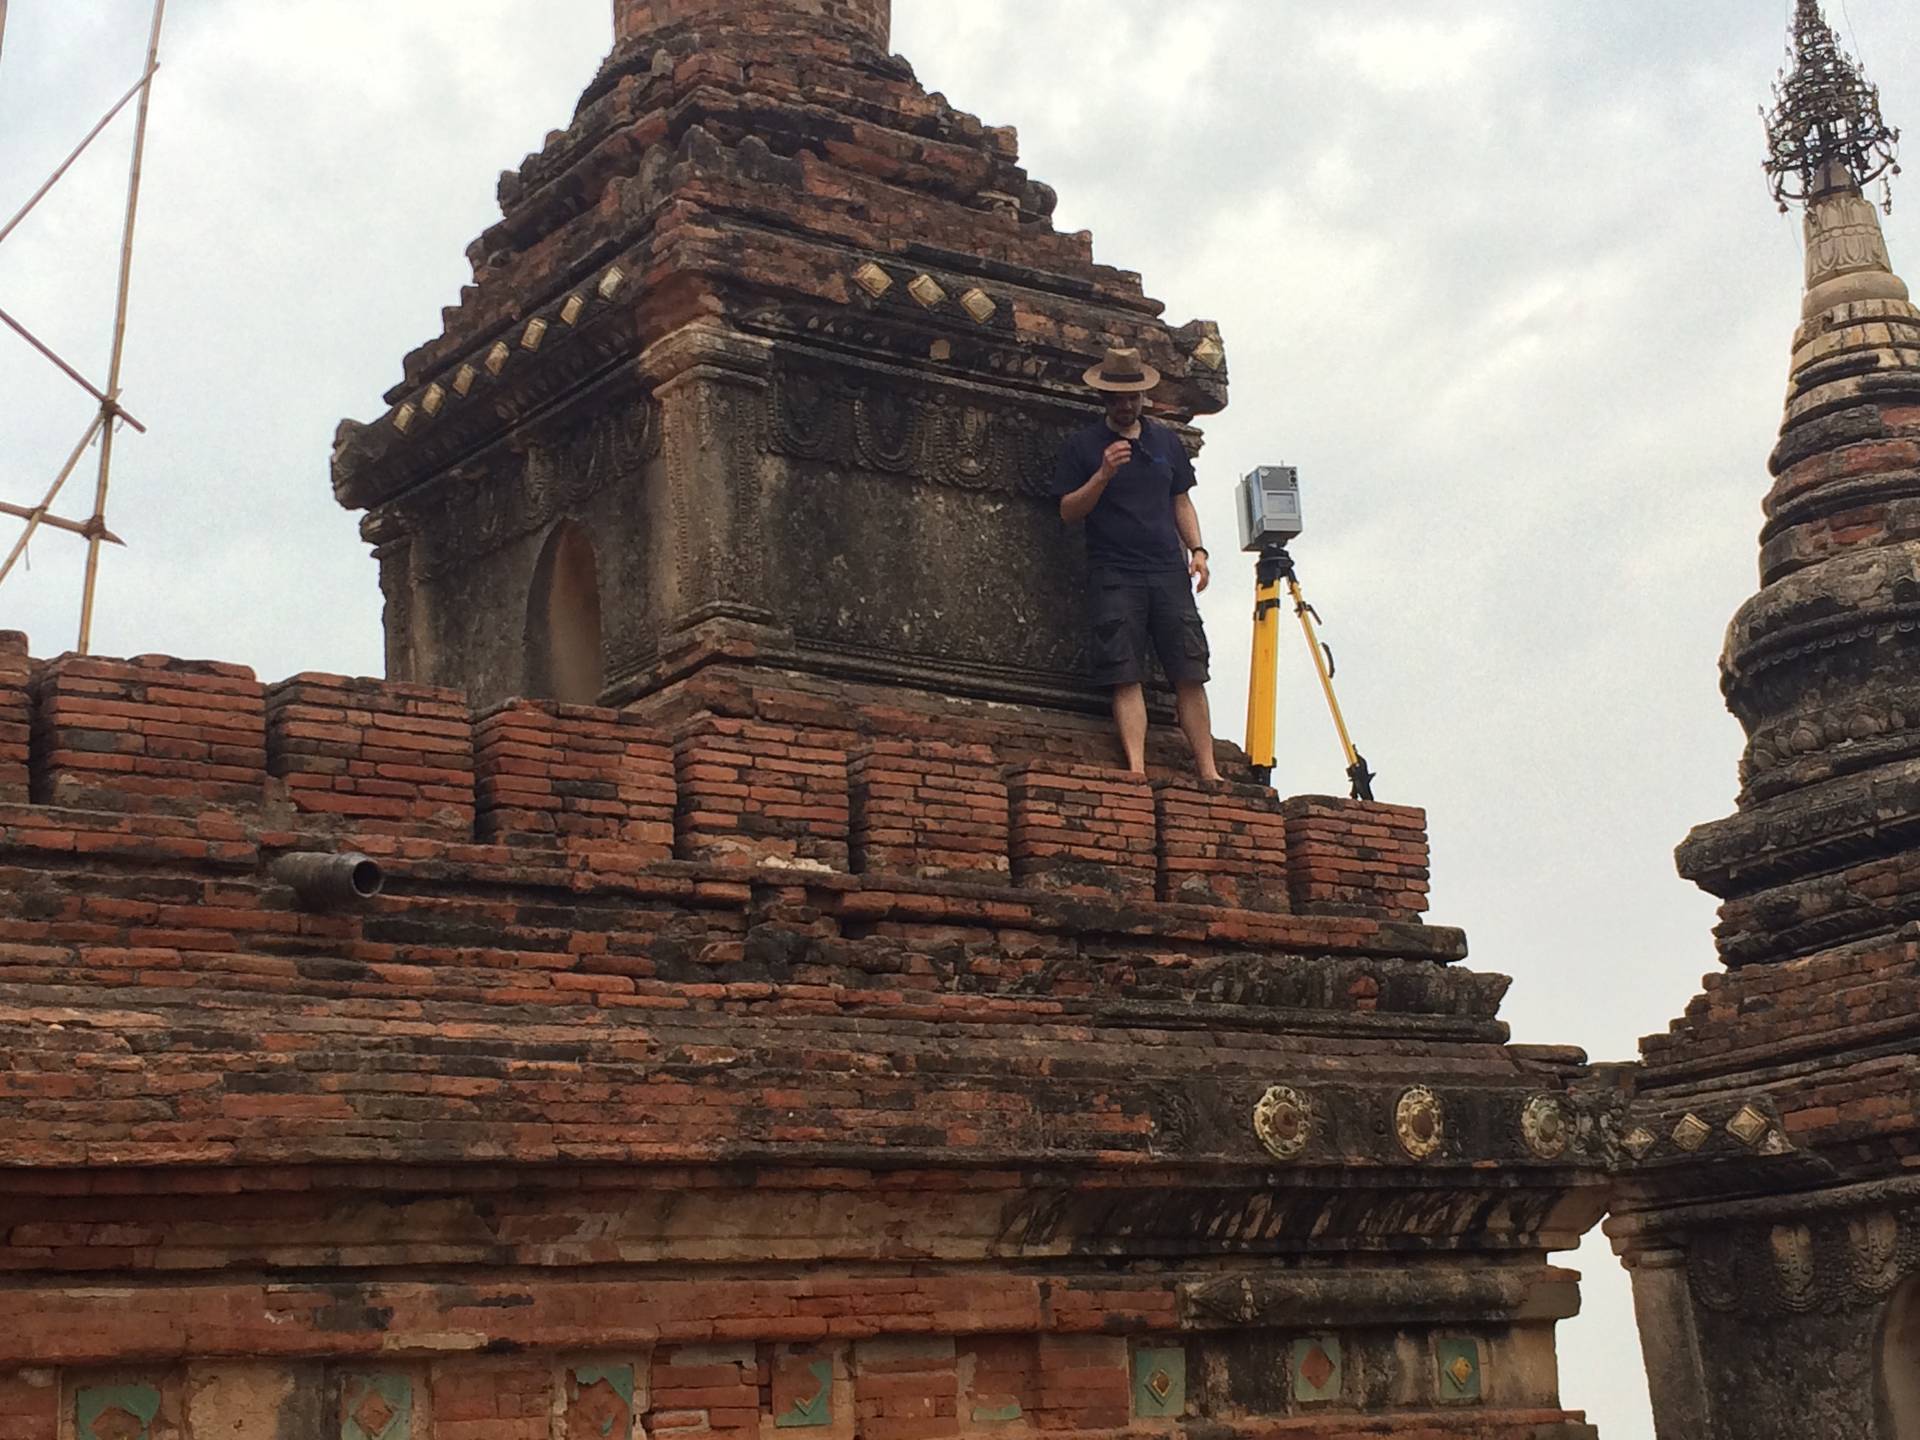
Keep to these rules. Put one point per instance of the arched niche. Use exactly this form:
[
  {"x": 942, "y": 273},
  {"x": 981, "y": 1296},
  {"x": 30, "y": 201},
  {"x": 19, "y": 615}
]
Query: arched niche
[
  {"x": 563, "y": 620},
  {"x": 1900, "y": 1364}
]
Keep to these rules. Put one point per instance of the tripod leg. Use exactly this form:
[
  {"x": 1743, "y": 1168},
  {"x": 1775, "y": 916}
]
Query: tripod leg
[
  {"x": 1263, "y": 688},
  {"x": 1357, "y": 770}
]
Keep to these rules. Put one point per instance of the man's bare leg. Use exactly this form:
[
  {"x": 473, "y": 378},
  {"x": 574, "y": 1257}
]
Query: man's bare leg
[
  {"x": 1130, "y": 717},
  {"x": 1196, "y": 722}
]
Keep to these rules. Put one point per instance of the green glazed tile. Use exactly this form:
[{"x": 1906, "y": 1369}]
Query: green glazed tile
[
  {"x": 1460, "y": 1371},
  {"x": 1159, "y": 1382}
]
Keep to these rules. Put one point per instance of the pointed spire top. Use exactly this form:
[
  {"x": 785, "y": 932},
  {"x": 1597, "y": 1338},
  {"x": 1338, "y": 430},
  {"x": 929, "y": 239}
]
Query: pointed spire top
[{"x": 1826, "y": 132}]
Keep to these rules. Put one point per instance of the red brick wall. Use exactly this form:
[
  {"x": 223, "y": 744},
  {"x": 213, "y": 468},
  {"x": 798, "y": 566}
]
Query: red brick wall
[
  {"x": 1222, "y": 847},
  {"x": 929, "y": 809},
  {"x": 29, "y": 1406},
  {"x": 1079, "y": 830},
  {"x": 752, "y": 793},
  {"x": 384, "y": 757},
  {"x": 356, "y": 759},
  {"x": 16, "y": 716},
  {"x": 566, "y": 775},
  {"x": 1357, "y": 857},
  {"x": 152, "y": 733}
]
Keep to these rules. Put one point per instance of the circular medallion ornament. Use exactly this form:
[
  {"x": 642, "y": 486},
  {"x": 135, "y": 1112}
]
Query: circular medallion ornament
[
  {"x": 1546, "y": 1126},
  {"x": 1284, "y": 1122},
  {"x": 1420, "y": 1123}
]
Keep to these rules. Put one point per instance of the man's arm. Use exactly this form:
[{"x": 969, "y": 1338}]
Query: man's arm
[
  {"x": 1187, "y": 521},
  {"x": 1078, "y": 504}
]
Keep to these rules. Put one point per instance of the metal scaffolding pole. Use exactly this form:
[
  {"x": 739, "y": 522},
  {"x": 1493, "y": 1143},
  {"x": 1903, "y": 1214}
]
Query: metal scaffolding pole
[{"x": 97, "y": 524}]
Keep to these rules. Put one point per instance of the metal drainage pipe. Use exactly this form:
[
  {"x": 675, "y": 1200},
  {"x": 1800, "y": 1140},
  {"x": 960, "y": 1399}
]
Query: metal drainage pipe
[{"x": 330, "y": 882}]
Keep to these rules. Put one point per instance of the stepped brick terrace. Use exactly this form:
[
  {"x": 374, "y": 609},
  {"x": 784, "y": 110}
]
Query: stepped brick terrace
[{"x": 728, "y": 1075}]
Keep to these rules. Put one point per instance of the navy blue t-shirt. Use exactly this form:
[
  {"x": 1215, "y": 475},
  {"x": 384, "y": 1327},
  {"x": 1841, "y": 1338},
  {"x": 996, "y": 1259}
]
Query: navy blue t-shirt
[{"x": 1131, "y": 529}]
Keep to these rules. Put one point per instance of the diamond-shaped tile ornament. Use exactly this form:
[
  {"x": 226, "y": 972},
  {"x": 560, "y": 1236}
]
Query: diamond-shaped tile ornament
[
  {"x": 115, "y": 1412},
  {"x": 1749, "y": 1126},
  {"x": 1283, "y": 1121},
  {"x": 1159, "y": 1382},
  {"x": 979, "y": 305},
  {"x": 376, "y": 1407},
  {"x": 926, "y": 290},
  {"x": 612, "y": 283},
  {"x": 872, "y": 279},
  {"x": 1691, "y": 1133},
  {"x": 1639, "y": 1141},
  {"x": 803, "y": 1392},
  {"x": 600, "y": 1402},
  {"x": 1461, "y": 1378},
  {"x": 497, "y": 357},
  {"x": 1210, "y": 353},
  {"x": 1318, "y": 1370},
  {"x": 575, "y": 307}
]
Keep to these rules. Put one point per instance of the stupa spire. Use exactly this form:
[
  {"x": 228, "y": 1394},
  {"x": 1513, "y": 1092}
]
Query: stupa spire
[{"x": 1825, "y": 132}]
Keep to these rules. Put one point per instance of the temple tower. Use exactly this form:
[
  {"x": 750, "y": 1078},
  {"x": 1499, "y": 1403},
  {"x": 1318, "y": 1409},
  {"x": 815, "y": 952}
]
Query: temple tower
[
  {"x": 772, "y": 326},
  {"x": 1774, "y": 1210}
]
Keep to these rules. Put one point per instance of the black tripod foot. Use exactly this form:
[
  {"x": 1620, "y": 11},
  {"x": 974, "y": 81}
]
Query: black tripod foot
[{"x": 1361, "y": 777}]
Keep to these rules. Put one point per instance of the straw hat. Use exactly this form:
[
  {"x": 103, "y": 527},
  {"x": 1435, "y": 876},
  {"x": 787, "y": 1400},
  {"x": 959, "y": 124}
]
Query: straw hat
[{"x": 1123, "y": 372}]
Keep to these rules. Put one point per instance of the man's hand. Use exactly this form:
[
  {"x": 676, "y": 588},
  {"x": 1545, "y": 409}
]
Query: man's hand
[
  {"x": 1115, "y": 459},
  {"x": 1197, "y": 568}
]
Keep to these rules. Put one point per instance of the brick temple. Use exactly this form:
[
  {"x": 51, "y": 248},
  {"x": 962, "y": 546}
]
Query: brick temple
[
  {"x": 779, "y": 1014},
  {"x": 720, "y": 983}
]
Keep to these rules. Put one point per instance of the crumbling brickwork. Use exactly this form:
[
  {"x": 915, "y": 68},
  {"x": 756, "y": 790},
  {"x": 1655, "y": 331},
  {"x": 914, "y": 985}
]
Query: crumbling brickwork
[{"x": 821, "y": 1034}]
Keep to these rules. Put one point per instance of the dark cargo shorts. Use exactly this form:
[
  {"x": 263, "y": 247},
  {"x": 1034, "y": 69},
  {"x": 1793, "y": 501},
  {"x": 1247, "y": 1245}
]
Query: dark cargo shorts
[{"x": 1129, "y": 611}]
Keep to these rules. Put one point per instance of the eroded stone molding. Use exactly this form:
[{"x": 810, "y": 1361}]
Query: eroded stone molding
[
  {"x": 472, "y": 512},
  {"x": 915, "y": 431},
  {"x": 1806, "y": 1264}
]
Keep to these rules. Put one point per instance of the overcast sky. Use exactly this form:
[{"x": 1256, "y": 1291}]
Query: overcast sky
[{"x": 1501, "y": 275}]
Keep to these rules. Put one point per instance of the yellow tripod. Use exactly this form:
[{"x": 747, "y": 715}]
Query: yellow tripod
[{"x": 1276, "y": 565}]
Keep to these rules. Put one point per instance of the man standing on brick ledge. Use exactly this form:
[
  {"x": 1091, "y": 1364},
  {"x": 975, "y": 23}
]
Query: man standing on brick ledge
[{"x": 1128, "y": 478}]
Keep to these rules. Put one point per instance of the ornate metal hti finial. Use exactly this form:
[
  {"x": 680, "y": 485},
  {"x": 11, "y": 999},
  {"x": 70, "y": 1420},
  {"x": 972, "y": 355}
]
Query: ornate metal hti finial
[{"x": 1826, "y": 132}]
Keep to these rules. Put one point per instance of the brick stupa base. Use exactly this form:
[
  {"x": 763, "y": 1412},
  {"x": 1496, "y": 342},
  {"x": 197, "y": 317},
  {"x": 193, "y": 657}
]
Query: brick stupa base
[{"x": 781, "y": 1060}]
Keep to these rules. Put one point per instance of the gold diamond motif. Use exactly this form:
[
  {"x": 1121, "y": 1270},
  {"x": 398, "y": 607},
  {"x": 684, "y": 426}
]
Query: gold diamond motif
[
  {"x": 979, "y": 305},
  {"x": 374, "y": 1415},
  {"x": 872, "y": 279},
  {"x": 926, "y": 290},
  {"x": 1210, "y": 353},
  {"x": 1461, "y": 1371},
  {"x": 403, "y": 418},
  {"x": 1691, "y": 1133},
  {"x": 1160, "y": 1383},
  {"x": 535, "y": 333},
  {"x": 1639, "y": 1141},
  {"x": 1748, "y": 1126},
  {"x": 612, "y": 283},
  {"x": 435, "y": 397},
  {"x": 463, "y": 382},
  {"x": 497, "y": 357},
  {"x": 571, "y": 311}
]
